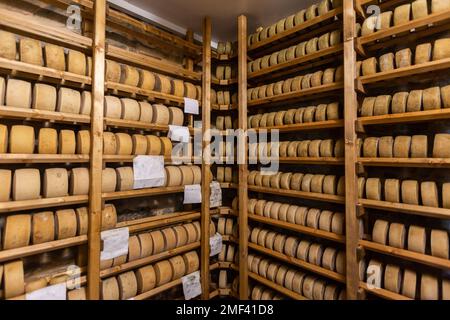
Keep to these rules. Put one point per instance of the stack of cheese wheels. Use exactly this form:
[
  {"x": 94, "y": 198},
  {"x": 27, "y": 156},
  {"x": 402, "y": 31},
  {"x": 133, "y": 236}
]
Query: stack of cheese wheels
[
  {"x": 224, "y": 174},
  {"x": 404, "y": 146},
  {"x": 13, "y": 279},
  {"x": 305, "y": 148}
]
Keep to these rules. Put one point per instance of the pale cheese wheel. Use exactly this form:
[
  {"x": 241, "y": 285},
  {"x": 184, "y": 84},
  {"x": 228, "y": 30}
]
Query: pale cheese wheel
[
  {"x": 429, "y": 287},
  {"x": 410, "y": 192},
  {"x": 316, "y": 78},
  {"x": 79, "y": 181},
  {"x": 197, "y": 174},
  {"x": 127, "y": 285},
  {"x": 387, "y": 62},
  {"x": 397, "y": 235},
  {"x": 308, "y": 287},
  {"x": 18, "y": 94},
  {"x": 113, "y": 107},
  {"x": 416, "y": 239},
  {"x": 83, "y": 142},
  {"x": 163, "y": 84},
  {"x": 176, "y": 116},
  {"x": 35, "y": 285},
  {"x": 393, "y": 278},
  {"x": 431, "y": 98},
  {"x": 321, "y": 113},
  {"x": 384, "y": 20},
  {"x": 441, "y": 49},
  {"x": 163, "y": 272},
  {"x": 191, "y": 261},
  {"x": 386, "y": 147},
  {"x": 403, "y": 58},
  {"x": 17, "y": 231},
  {"x": 134, "y": 248},
  {"x": 422, "y": 53},
  {"x": 44, "y": 97},
  {"x": 272, "y": 271},
  {"x": 429, "y": 194},
  {"x": 370, "y": 147},
  {"x": 399, "y": 101},
  {"x": 369, "y": 25},
  {"x": 340, "y": 262},
  {"x": 82, "y": 220},
  {"x": 139, "y": 143},
  {"x": 109, "y": 143},
  {"x": 130, "y": 109},
  {"x": 340, "y": 189},
  {"x": 146, "y": 244},
  {"x": 439, "y": 243},
  {"x": 381, "y": 105},
  {"x": 339, "y": 148},
  {"x": 173, "y": 176},
  {"x": 26, "y": 184},
  {"x": 439, "y": 5},
  {"x": 392, "y": 190},
  {"x": 125, "y": 178},
  {"x": 8, "y": 46},
  {"x": 76, "y": 62},
  {"x": 181, "y": 235},
  {"x": 337, "y": 223},
  {"x": 402, "y": 146},
  {"x": 2, "y": 89},
  {"x": 441, "y": 145},
  {"x": 13, "y": 279},
  {"x": 329, "y": 258},
  {"x": 281, "y": 275},
  {"x": 124, "y": 144},
  {"x": 86, "y": 103},
  {"x": 373, "y": 189},
  {"x": 367, "y": 106},
  {"x": 317, "y": 183},
  {"x": 129, "y": 76},
  {"x": 369, "y": 66},
  {"x": 21, "y": 139},
  {"x": 158, "y": 241},
  {"x": 402, "y": 14},
  {"x": 69, "y": 101},
  {"x": 55, "y": 57},
  {"x": 419, "y": 9},
  {"x": 309, "y": 114},
  {"x": 43, "y": 228},
  {"x": 380, "y": 231},
  {"x": 409, "y": 283},
  {"x": 414, "y": 101},
  {"x": 65, "y": 223},
  {"x": 31, "y": 51},
  {"x": 56, "y": 183},
  {"x": 161, "y": 114},
  {"x": 145, "y": 278},
  {"x": 110, "y": 289}
]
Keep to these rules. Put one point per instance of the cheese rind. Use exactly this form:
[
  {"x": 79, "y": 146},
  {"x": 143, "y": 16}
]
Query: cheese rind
[
  {"x": 26, "y": 184},
  {"x": 44, "y": 97},
  {"x": 17, "y": 231},
  {"x": 56, "y": 183},
  {"x": 410, "y": 192},
  {"x": 18, "y": 94},
  {"x": 21, "y": 139},
  {"x": 439, "y": 244},
  {"x": 417, "y": 239},
  {"x": 69, "y": 101}
]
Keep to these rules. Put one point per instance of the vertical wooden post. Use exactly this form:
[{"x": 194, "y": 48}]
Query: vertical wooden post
[
  {"x": 242, "y": 158},
  {"x": 351, "y": 195},
  {"x": 189, "y": 65},
  {"x": 206, "y": 156},
  {"x": 96, "y": 156}
]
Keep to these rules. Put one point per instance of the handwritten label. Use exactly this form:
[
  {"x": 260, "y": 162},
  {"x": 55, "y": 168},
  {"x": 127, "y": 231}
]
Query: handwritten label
[
  {"x": 191, "y": 106},
  {"x": 215, "y": 244},
  {"x": 55, "y": 292},
  {"x": 115, "y": 243},
  {"x": 216, "y": 195},
  {"x": 192, "y": 194},
  {"x": 191, "y": 285},
  {"x": 148, "y": 172}
]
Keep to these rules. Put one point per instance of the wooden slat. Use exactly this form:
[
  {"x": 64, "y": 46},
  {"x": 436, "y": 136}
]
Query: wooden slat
[
  {"x": 299, "y": 194},
  {"x": 298, "y": 228},
  {"x": 11, "y": 158},
  {"x": 42, "y": 115},
  {"x": 299, "y": 263},
  {"x": 312, "y": 160},
  {"x": 425, "y": 259},
  {"x": 406, "y": 162},
  {"x": 141, "y": 193},
  {"x": 158, "y": 290},
  {"x": 307, "y": 126},
  {"x": 11, "y": 206},
  {"x": 276, "y": 287},
  {"x": 383, "y": 293},
  {"x": 407, "y": 117}
]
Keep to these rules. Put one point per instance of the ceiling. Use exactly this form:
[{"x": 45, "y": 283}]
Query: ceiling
[{"x": 188, "y": 14}]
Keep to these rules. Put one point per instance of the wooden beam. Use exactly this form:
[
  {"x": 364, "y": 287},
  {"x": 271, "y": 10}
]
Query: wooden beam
[
  {"x": 206, "y": 158},
  {"x": 350, "y": 107},
  {"x": 95, "y": 181},
  {"x": 242, "y": 157}
]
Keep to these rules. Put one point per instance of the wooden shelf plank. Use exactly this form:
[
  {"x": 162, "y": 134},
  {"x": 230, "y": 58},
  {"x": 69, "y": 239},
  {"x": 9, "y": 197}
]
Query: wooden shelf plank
[
  {"x": 167, "y": 160},
  {"x": 383, "y": 293},
  {"x": 320, "y": 91},
  {"x": 312, "y": 160},
  {"x": 228, "y": 185},
  {"x": 158, "y": 290},
  {"x": 406, "y": 162},
  {"x": 307, "y": 126},
  {"x": 42, "y": 115},
  {"x": 298, "y": 228},
  {"x": 406, "y": 255},
  {"x": 224, "y": 82},
  {"x": 224, "y": 107},
  {"x": 141, "y": 193},
  {"x": 11, "y": 206},
  {"x": 11, "y": 254},
  {"x": 407, "y": 117},
  {"x": 9, "y": 158},
  {"x": 299, "y": 194},
  {"x": 299, "y": 263},
  {"x": 276, "y": 287},
  {"x": 432, "y": 212}
]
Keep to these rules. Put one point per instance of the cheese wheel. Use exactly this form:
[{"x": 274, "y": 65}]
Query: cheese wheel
[
  {"x": 127, "y": 285},
  {"x": 296, "y": 181},
  {"x": 279, "y": 243},
  {"x": 369, "y": 66},
  {"x": 439, "y": 6},
  {"x": 392, "y": 278},
  {"x": 129, "y": 76},
  {"x": 13, "y": 283},
  {"x": 130, "y": 109},
  {"x": 109, "y": 143},
  {"x": 134, "y": 248},
  {"x": 69, "y": 101},
  {"x": 158, "y": 241},
  {"x": 31, "y": 51},
  {"x": 414, "y": 101},
  {"x": 191, "y": 261},
  {"x": 381, "y": 105},
  {"x": 290, "y": 246},
  {"x": 429, "y": 287},
  {"x": 83, "y": 142},
  {"x": 370, "y": 147},
  {"x": 18, "y": 94},
  {"x": 410, "y": 192},
  {"x": 306, "y": 182},
  {"x": 309, "y": 114},
  {"x": 82, "y": 220},
  {"x": 86, "y": 103},
  {"x": 339, "y": 148},
  {"x": 399, "y": 101},
  {"x": 367, "y": 106},
  {"x": 161, "y": 114},
  {"x": 387, "y": 62},
  {"x": 419, "y": 9},
  {"x": 422, "y": 53},
  {"x": 297, "y": 282},
  {"x": 272, "y": 271},
  {"x": 308, "y": 286},
  {"x": 314, "y": 148},
  {"x": 173, "y": 176},
  {"x": 125, "y": 178},
  {"x": 303, "y": 250},
  {"x": 163, "y": 272},
  {"x": 386, "y": 147},
  {"x": 324, "y": 41},
  {"x": 170, "y": 238},
  {"x": 402, "y": 14},
  {"x": 441, "y": 145},
  {"x": 403, "y": 58},
  {"x": 17, "y": 231},
  {"x": 369, "y": 25},
  {"x": 76, "y": 62},
  {"x": 145, "y": 279},
  {"x": 197, "y": 174},
  {"x": 317, "y": 183},
  {"x": 3, "y": 138},
  {"x": 306, "y": 81},
  {"x": 315, "y": 254},
  {"x": 380, "y": 231},
  {"x": 153, "y": 145},
  {"x": 311, "y": 12},
  {"x": 419, "y": 146},
  {"x": 325, "y": 220},
  {"x": 441, "y": 49},
  {"x": 397, "y": 235},
  {"x": 316, "y": 78},
  {"x": 176, "y": 116},
  {"x": 431, "y": 98},
  {"x": 110, "y": 289},
  {"x": 281, "y": 275},
  {"x": 416, "y": 239},
  {"x": 35, "y": 285},
  {"x": 429, "y": 194},
  {"x": 392, "y": 190},
  {"x": 439, "y": 243},
  {"x": 113, "y": 71},
  {"x": 337, "y": 223},
  {"x": 373, "y": 189},
  {"x": 65, "y": 223},
  {"x": 113, "y": 107},
  {"x": 146, "y": 245},
  {"x": 8, "y": 47},
  {"x": 44, "y": 97},
  {"x": 21, "y": 139},
  {"x": 56, "y": 183},
  {"x": 79, "y": 181},
  {"x": 329, "y": 258},
  {"x": 124, "y": 144},
  {"x": 43, "y": 228},
  {"x": 26, "y": 184},
  {"x": 163, "y": 84},
  {"x": 139, "y": 144}
]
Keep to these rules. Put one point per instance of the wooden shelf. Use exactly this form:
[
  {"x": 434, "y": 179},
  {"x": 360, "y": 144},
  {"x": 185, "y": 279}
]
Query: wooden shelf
[
  {"x": 159, "y": 221},
  {"x": 11, "y": 254},
  {"x": 137, "y": 125},
  {"x": 431, "y": 212},
  {"x": 406, "y": 162},
  {"x": 383, "y": 293},
  {"x": 276, "y": 287},
  {"x": 299, "y": 194},
  {"x": 167, "y": 160},
  {"x": 223, "y": 211},
  {"x": 141, "y": 193},
  {"x": 10, "y": 158},
  {"x": 312, "y": 160},
  {"x": 301, "y": 63},
  {"x": 407, "y": 117},
  {"x": 11, "y": 206},
  {"x": 298, "y": 228},
  {"x": 307, "y": 126},
  {"x": 228, "y": 238},
  {"x": 42, "y": 115},
  {"x": 406, "y": 255},
  {"x": 158, "y": 290},
  {"x": 224, "y": 82},
  {"x": 224, "y": 107},
  {"x": 223, "y": 56},
  {"x": 306, "y": 94},
  {"x": 228, "y": 185},
  {"x": 299, "y": 263},
  {"x": 148, "y": 260}
]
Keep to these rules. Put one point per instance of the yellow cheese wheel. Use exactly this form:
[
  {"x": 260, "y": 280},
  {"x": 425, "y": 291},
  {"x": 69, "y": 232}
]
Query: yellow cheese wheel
[
  {"x": 31, "y": 51},
  {"x": 373, "y": 189},
  {"x": 191, "y": 261},
  {"x": 170, "y": 238},
  {"x": 399, "y": 101},
  {"x": 127, "y": 285},
  {"x": 414, "y": 102},
  {"x": 145, "y": 278},
  {"x": 422, "y": 53},
  {"x": 403, "y": 58},
  {"x": 83, "y": 142},
  {"x": 21, "y": 139},
  {"x": 163, "y": 84},
  {"x": 18, "y": 94},
  {"x": 163, "y": 271},
  {"x": 125, "y": 178},
  {"x": 431, "y": 98},
  {"x": 429, "y": 194},
  {"x": 3, "y": 138},
  {"x": 325, "y": 220},
  {"x": 134, "y": 248},
  {"x": 8, "y": 46},
  {"x": 270, "y": 240},
  {"x": 290, "y": 246},
  {"x": 113, "y": 107},
  {"x": 392, "y": 190},
  {"x": 54, "y": 57},
  {"x": 369, "y": 66},
  {"x": 337, "y": 223},
  {"x": 26, "y": 184},
  {"x": 387, "y": 62},
  {"x": 145, "y": 112},
  {"x": 393, "y": 278},
  {"x": 109, "y": 143},
  {"x": 13, "y": 283},
  {"x": 181, "y": 235},
  {"x": 79, "y": 181},
  {"x": 161, "y": 114},
  {"x": 65, "y": 224},
  {"x": 441, "y": 49},
  {"x": 197, "y": 174},
  {"x": 69, "y": 101},
  {"x": 158, "y": 241},
  {"x": 317, "y": 183},
  {"x": 439, "y": 243},
  {"x": 76, "y": 62},
  {"x": 380, "y": 231},
  {"x": 369, "y": 25},
  {"x": 176, "y": 116},
  {"x": 429, "y": 287},
  {"x": 82, "y": 220},
  {"x": 56, "y": 183},
  {"x": 146, "y": 243},
  {"x": 381, "y": 105},
  {"x": 147, "y": 80},
  {"x": 129, "y": 76},
  {"x": 110, "y": 289},
  {"x": 48, "y": 141},
  {"x": 409, "y": 283},
  {"x": 130, "y": 109},
  {"x": 367, "y": 106},
  {"x": 402, "y": 14},
  {"x": 43, "y": 227},
  {"x": 124, "y": 144},
  {"x": 139, "y": 144},
  {"x": 173, "y": 176},
  {"x": 306, "y": 182},
  {"x": 329, "y": 258},
  {"x": 17, "y": 231},
  {"x": 44, "y": 97},
  {"x": 416, "y": 239},
  {"x": 370, "y": 147},
  {"x": 397, "y": 235},
  {"x": 410, "y": 192},
  {"x": 441, "y": 145}
]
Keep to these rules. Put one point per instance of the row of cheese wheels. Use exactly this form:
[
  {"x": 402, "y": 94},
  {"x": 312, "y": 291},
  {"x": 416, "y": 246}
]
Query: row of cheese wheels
[
  {"x": 306, "y": 182},
  {"x": 21, "y": 230},
  {"x": 310, "y": 286},
  {"x": 403, "y": 58},
  {"x": 303, "y": 16},
  {"x": 298, "y": 83},
  {"x": 26, "y": 184},
  {"x": 304, "y": 148},
  {"x": 225, "y": 226},
  {"x": 425, "y": 193},
  {"x": 401, "y": 102},
  {"x": 402, "y": 14},
  {"x": 226, "y": 174},
  {"x": 304, "y": 48},
  {"x": 406, "y": 281},
  {"x": 228, "y": 253},
  {"x": 133, "y": 110},
  {"x": 224, "y": 72},
  {"x": 44, "y": 54},
  {"x": 322, "y": 112},
  {"x": 129, "y": 284},
  {"x": 151, "y": 243},
  {"x": 223, "y": 97},
  {"x": 21, "y": 140},
  {"x": 406, "y": 146},
  {"x": 325, "y": 220},
  {"x": 259, "y": 292},
  {"x": 23, "y": 94},
  {"x": 315, "y": 253},
  {"x": 225, "y": 47},
  {"x": 136, "y": 144},
  {"x": 225, "y": 122},
  {"x": 394, "y": 234}
]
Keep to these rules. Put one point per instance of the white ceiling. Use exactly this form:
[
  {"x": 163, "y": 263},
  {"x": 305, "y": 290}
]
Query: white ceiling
[{"x": 188, "y": 14}]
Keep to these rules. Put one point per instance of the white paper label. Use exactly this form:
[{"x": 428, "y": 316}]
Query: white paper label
[
  {"x": 191, "y": 106},
  {"x": 115, "y": 243},
  {"x": 216, "y": 195},
  {"x": 55, "y": 292},
  {"x": 148, "y": 172},
  {"x": 192, "y": 193},
  {"x": 215, "y": 244},
  {"x": 191, "y": 285},
  {"x": 179, "y": 133}
]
